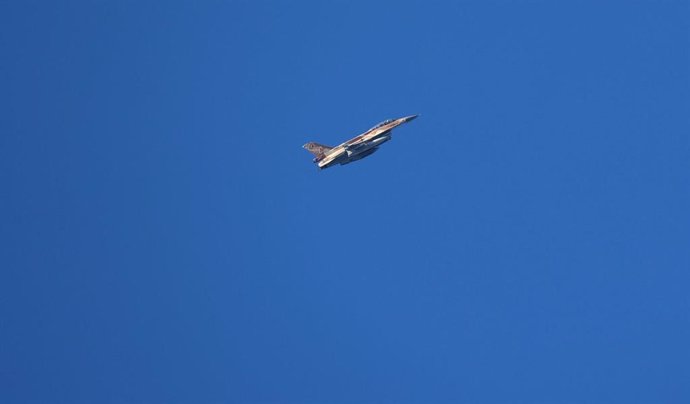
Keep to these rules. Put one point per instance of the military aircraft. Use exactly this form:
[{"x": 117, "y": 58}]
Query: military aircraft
[{"x": 356, "y": 148}]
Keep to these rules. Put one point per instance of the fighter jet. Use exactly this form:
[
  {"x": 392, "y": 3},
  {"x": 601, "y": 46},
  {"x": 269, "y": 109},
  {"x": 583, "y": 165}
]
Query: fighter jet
[{"x": 356, "y": 148}]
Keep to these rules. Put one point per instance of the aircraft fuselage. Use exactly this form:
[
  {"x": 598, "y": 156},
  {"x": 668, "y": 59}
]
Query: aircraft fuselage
[{"x": 358, "y": 147}]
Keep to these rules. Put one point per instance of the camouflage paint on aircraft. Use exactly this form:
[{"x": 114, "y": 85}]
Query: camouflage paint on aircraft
[{"x": 356, "y": 148}]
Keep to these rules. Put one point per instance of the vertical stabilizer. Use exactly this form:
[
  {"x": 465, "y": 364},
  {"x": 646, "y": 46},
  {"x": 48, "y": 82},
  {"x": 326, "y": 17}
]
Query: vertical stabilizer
[{"x": 318, "y": 150}]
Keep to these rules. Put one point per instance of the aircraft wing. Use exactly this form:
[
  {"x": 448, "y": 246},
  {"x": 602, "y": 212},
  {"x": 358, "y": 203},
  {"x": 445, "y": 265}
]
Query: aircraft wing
[{"x": 333, "y": 156}]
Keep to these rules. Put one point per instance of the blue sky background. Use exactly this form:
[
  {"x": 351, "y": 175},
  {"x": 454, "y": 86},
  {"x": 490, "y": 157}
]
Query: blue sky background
[{"x": 165, "y": 238}]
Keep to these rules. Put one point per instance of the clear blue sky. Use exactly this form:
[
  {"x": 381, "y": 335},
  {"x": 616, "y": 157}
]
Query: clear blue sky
[{"x": 165, "y": 239}]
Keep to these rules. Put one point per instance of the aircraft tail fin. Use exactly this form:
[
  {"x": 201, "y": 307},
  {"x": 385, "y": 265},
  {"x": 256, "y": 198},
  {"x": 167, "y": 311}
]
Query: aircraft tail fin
[{"x": 318, "y": 150}]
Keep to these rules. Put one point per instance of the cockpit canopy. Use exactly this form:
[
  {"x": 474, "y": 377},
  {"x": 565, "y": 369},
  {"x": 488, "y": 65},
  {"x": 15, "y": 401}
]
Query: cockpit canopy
[{"x": 386, "y": 122}]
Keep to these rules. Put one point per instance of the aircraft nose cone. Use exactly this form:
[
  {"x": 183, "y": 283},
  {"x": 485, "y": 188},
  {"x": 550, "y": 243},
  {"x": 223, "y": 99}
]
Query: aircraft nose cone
[{"x": 411, "y": 118}]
